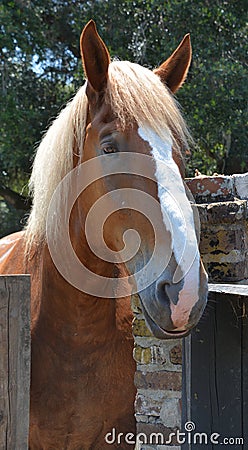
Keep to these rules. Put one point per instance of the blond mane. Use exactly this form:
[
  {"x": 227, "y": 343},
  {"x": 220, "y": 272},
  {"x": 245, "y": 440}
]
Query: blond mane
[{"x": 136, "y": 95}]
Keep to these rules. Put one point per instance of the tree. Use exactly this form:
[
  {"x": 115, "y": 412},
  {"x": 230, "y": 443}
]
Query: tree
[{"x": 41, "y": 69}]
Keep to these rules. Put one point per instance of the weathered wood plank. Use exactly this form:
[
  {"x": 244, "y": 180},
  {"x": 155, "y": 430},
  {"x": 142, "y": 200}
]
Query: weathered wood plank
[
  {"x": 14, "y": 361},
  {"x": 244, "y": 362},
  {"x": 215, "y": 374},
  {"x": 231, "y": 289}
]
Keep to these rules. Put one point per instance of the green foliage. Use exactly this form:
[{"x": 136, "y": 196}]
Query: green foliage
[
  {"x": 11, "y": 220},
  {"x": 40, "y": 70}
]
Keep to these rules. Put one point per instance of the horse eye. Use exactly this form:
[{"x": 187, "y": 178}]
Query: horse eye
[{"x": 108, "y": 148}]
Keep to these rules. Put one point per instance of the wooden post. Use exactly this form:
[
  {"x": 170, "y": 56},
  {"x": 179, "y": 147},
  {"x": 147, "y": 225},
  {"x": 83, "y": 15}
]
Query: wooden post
[{"x": 14, "y": 361}]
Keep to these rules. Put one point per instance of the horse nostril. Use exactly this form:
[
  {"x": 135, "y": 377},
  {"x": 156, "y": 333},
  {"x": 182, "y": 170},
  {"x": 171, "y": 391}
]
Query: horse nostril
[
  {"x": 168, "y": 292},
  {"x": 161, "y": 292}
]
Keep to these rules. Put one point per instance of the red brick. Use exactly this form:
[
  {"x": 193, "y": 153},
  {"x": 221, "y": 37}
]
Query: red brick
[
  {"x": 164, "y": 380},
  {"x": 211, "y": 189},
  {"x": 148, "y": 429},
  {"x": 224, "y": 212},
  {"x": 176, "y": 354}
]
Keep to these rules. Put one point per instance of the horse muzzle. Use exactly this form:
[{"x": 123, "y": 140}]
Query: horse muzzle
[{"x": 170, "y": 309}]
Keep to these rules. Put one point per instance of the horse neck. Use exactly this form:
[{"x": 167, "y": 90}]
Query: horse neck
[{"x": 69, "y": 313}]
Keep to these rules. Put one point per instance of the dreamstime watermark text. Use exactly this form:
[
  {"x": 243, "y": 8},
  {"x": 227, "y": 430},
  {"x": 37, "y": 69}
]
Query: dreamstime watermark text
[{"x": 188, "y": 436}]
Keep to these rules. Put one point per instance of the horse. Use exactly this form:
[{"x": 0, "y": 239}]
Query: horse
[{"x": 107, "y": 179}]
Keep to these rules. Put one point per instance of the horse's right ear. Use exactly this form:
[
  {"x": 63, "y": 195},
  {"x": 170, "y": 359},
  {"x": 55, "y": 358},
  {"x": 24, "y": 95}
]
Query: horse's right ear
[
  {"x": 173, "y": 71},
  {"x": 95, "y": 57}
]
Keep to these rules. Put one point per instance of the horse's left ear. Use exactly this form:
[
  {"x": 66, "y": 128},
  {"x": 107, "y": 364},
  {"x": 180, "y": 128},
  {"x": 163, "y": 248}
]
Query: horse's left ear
[
  {"x": 173, "y": 71},
  {"x": 95, "y": 57}
]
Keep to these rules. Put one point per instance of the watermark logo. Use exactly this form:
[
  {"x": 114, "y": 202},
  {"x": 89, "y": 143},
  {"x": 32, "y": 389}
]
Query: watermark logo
[
  {"x": 187, "y": 436},
  {"x": 189, "y": 426},
  {"x": 176, "y": 221}
]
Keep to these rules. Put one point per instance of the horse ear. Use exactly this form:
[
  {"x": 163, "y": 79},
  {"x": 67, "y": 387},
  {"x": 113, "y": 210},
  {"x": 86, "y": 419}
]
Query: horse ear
[
  {"x": 95, "y": 57},
  {"x": 173, "y": 71}
]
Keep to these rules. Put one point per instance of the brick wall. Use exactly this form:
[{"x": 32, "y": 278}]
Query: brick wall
[
  {"x": 223, "y": 211},
  {"x": 222, "y": 207}
]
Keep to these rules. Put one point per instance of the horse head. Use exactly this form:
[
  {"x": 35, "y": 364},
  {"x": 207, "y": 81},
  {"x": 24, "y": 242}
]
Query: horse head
[
  {"x": 140, "y": 230},
  {"x": 134, "y": 120}
]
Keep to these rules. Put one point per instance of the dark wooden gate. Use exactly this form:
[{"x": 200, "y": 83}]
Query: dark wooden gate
[{"x": 215, "y": 385}]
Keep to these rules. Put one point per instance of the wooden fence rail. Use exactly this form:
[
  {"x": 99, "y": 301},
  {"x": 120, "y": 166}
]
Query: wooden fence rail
[{"x": 14, "y": 361}]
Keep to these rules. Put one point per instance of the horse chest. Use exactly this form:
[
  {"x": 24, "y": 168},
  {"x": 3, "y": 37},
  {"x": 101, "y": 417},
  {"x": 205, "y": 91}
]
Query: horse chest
[{"x": 83, "y": 395}]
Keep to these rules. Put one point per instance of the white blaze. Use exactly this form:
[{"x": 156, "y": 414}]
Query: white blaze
[{"x": 178, "y": 219}]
